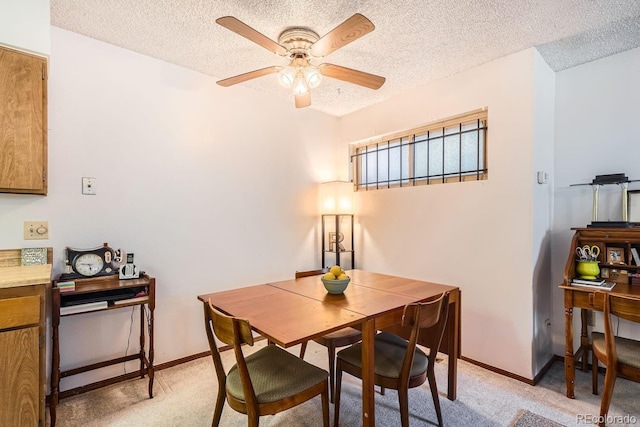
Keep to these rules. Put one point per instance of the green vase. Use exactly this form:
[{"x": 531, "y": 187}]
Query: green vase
[{"x": 588, "y": 270}]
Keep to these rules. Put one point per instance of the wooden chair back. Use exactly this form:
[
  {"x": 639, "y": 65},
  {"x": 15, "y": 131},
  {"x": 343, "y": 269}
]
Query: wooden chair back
[
  {"x": 624, "y": 308},
  {"x": 427, "y": 315},
  {"x": 308, "y": 273},
  {"x": 235, "y": 332}
]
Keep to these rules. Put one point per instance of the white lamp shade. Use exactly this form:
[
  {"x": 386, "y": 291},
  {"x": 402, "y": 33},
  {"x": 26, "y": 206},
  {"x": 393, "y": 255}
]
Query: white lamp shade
[
  {"x": 286, "y": 76},
  {"x": 300, "y": 85},
  {"x": 313, "y": 76},
  {"x": 336, "y": 197}
]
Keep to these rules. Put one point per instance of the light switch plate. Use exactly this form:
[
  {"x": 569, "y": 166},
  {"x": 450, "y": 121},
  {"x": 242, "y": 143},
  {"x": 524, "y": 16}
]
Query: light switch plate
[{"x": 36, "y": 230}]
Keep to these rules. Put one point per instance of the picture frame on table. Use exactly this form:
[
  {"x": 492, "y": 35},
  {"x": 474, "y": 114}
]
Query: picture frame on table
[{"x": 615, "y": 255}]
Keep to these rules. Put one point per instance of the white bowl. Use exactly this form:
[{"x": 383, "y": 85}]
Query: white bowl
[{"x": 335, "y": 286}]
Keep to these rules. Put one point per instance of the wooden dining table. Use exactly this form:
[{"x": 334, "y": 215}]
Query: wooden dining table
[{"x": 294, "y": 311}]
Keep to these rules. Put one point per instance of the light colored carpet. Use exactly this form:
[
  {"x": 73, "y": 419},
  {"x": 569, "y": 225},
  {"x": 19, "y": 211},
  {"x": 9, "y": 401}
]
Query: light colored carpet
[
  {"x": 185, "y": 396},
  {"x": 529, "y": 419}
]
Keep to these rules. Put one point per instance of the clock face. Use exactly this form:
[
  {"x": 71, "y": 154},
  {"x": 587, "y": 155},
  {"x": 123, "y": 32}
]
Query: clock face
[{"x": 88, "y": 264}]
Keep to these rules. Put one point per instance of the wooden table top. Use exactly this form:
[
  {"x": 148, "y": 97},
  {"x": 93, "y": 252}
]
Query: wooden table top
[
  {"x": 358, "y": 299},
  {"x": 284, "y": 317},
  {"x": 417, "y": 289},
  {"x": 292, "y": 311}
]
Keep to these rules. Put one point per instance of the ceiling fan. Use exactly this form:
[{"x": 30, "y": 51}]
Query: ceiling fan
[{"x": 301, "y": 46}]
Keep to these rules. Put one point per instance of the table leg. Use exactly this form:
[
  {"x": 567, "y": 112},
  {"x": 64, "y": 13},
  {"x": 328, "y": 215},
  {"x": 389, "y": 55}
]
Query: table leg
[
  {"x": 141, "y": 354},
  {"x": 151, "y": 355},
  {"x": 55, "y": 356},
  {"x": 569, "y": 368},
  {"x": 453, "y": 347},
  {"x": 584, "y": 339},
  {"x": 368, "y": 403}
]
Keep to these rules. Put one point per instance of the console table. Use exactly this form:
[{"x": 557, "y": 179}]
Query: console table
[{"x": 113, "y": 290}]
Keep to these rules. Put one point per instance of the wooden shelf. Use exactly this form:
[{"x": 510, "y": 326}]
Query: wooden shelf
[{"x": 338, "y": 225}]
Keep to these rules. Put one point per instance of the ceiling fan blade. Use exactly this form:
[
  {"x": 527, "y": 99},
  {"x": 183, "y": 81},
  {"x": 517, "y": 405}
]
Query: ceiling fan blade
[
  {"x": 248, "y": 76},
  {"x": 350, "y": 30},
  {"x": 303, "y": 100},
  {"x": 239, "y": 27},
  {"x": 352, "y": 76}
]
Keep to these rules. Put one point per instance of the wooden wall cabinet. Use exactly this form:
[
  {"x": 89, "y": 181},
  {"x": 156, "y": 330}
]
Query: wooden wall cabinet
[
  {"x": 23, "y": 122},
  {"x": 22, "y": 341}
]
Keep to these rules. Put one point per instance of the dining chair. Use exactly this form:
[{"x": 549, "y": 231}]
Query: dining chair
[
  {"x": 621, "y": 356},
  {"x": 266, "y": 382},
  {"x": 337, "y": 339},
  {"x": 398, "y": 363}
]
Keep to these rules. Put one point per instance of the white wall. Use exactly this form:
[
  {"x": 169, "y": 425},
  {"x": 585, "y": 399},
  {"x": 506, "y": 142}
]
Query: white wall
[
  {"x": 212, "y": 188},
  {"x": 476, "y": 235},
  {"x": 542, "y": 151},
  {"x": 24, "y": 25},
  {"x": 597, "y": 132}
]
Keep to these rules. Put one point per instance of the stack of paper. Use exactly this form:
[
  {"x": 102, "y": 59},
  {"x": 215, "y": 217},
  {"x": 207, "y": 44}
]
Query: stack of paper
[
  {"x": 598, "y": 284},
  {"x": 83, "y": 308},
  {"x": 67, "y": 286}
]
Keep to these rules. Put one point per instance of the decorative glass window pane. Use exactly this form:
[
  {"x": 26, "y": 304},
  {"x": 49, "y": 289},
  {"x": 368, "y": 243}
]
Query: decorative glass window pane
[
  {"x": 435, "y": 133},
  {"x": 451, "y": 154},
  {"x": 405, "y": 162},
  {"x": 372, "y": 171},
  {"x": 420, "y": 170},
  {"x": 435, "y": 157},
  {"x": 383, "y": 164},
  {"x": 452, "y": 129},
  {"x": 469, "y": 152},
  {"x": 395, "y": 163}
]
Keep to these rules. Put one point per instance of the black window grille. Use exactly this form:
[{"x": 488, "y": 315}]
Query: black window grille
[{"x": 452, "y": 150}]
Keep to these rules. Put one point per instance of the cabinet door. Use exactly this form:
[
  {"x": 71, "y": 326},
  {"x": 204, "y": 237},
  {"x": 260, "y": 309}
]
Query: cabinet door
[
  {"x": 20, "y": 374},
  {"x": 23, "y": 123},
  {"x": 19, "y": 377}
]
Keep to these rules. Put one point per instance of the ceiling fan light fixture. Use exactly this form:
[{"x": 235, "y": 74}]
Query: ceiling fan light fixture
[
  {"x": 300, "y": 45},
  {"x": 300, "y": 86},
  {"x": 312, "y": 76},
  {"x": 286, "y": 76}
]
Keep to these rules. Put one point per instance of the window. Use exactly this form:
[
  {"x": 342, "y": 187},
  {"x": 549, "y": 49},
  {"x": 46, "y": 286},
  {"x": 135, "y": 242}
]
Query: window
[{"x": 451, "y": 150}]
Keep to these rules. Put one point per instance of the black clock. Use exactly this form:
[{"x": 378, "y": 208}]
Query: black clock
[{"x": 82, "y": 263}]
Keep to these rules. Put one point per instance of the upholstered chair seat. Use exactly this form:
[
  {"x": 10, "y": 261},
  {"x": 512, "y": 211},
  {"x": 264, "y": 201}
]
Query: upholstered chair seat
[
  {"x": 389, "y": 354},
  {"x": 275, "y": 374}
]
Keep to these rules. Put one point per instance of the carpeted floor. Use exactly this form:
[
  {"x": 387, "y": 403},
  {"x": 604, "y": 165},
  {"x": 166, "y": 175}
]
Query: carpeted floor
[
  {"x": 184, "y": 396},
  {"x": 529, "y": 419}
]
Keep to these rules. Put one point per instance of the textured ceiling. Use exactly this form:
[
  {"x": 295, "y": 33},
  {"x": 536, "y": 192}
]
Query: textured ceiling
[{"x": 414, "y": 42}]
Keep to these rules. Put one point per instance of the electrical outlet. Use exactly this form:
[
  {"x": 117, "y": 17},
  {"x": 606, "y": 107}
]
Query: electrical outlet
[
  {"x": 591, "y": 319},
  {"x": 36, "y": 230}
]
